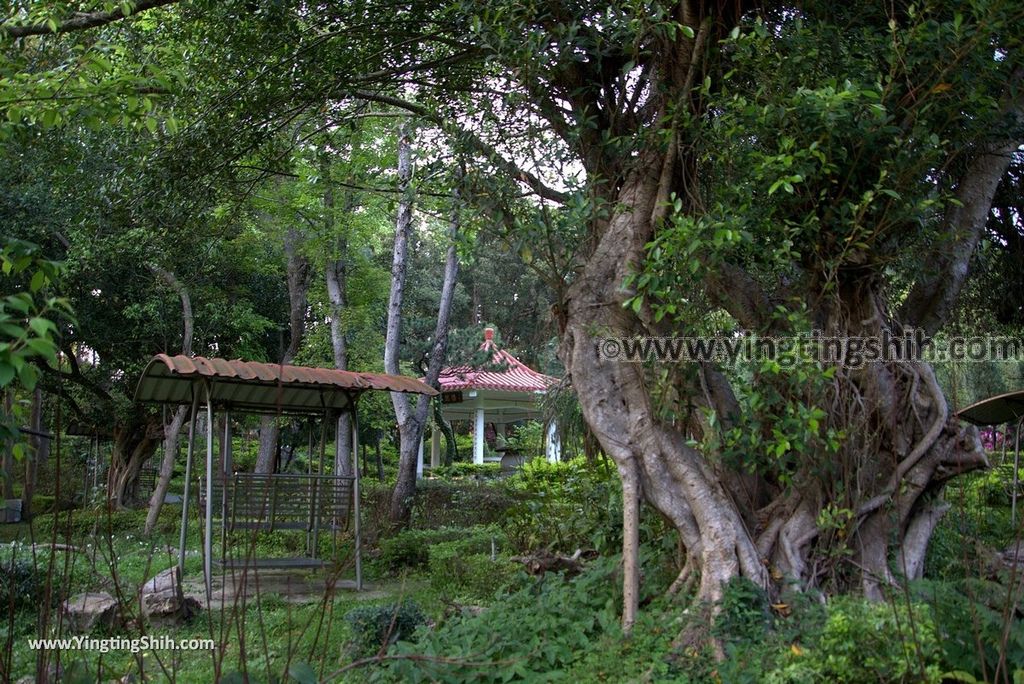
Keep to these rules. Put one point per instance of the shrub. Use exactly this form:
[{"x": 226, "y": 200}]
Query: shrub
[
  {"x": 80, "y": 523},
  {"x": 42, "y": 503},
  {"x": 22, "y": 586},
  {"x": 460, "y": 504},
  {"x": 864, "y": 641},
  {"x": 970, "y": 619},
  {"x": 374, "y": 627},
  {"x": 541, "y": 629},
  {"x": 411, "y": 549},
  {"x": 460, "y": 470},
  {"x": 745, "y": 613},
  {"x": 528, "y": 439},
  {"x": 458, "y": 574},
  {"x": 565, "y": 505}
]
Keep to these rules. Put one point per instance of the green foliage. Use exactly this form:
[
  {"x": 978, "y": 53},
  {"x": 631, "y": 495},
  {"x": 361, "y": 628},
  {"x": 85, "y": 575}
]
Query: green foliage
[
  {"x": 460, "y": 504},
  {"x": 459, "y": 573},
  {"x": 863, "y": 641},
  {"x": 969, "y": 535},
  {"x": 994, "y": 487},
  {"x": 411, "y": 549},
  {"x": 564, "y": 505},
  {"x": 374, "y": 628},
  {"x": 22, "y": 585},
  {"x": 745, "y": 613},
  {"x": 28, "y": 328},
  {"x": 27, "y": 316},
  {"x": 461, "y": 469},
  {"x": 82, "y": 523},
  {"x": 532, "y": 634},
  {"x": 971, "y": 619},
  {"x": 528, "y": 439}
]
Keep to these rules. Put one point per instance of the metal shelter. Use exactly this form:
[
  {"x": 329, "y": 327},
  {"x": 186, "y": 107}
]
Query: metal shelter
[
  {"x": 268, "y": 389},
  {"x": 1001, "y": 409}
]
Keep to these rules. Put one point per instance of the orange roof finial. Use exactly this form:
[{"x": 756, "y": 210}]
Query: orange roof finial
[{"x": 488, "y": 334}]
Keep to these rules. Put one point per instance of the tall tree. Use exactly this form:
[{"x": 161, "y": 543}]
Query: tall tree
[
  {"x": 173, "y": 429},
  {"x": 299, "y": 275},
  {"x": 412, "y": 419}
]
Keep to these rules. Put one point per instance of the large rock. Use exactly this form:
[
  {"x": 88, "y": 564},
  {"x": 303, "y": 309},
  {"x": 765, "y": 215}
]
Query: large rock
[
  {"x": 163, "y": 601},
  {"x": 85, "y": 612}
]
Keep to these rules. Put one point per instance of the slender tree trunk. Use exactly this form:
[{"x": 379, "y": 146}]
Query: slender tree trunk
[
  {"x": 172, "y": 433},
  {"x": 8, "y": 457},
  {"x": 411, "y": 421},
  {"x": 380, "y": 460},
  {"x": 336, "y": 273},
  {"x": 299, "y": 277},
  {"x": 39, "y": 453},
  {"x": 399, "y": 270},
  {"x": 173, "y": 430},
  {"x": 451, "y": 449}
]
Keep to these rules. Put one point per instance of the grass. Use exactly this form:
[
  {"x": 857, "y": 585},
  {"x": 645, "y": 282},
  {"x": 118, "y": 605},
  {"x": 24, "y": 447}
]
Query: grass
[{"x": 265, "y": 639}]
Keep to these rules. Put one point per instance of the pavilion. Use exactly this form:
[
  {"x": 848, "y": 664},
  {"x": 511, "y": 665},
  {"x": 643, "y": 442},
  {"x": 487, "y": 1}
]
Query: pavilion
[{"x": 500, "y": 397}]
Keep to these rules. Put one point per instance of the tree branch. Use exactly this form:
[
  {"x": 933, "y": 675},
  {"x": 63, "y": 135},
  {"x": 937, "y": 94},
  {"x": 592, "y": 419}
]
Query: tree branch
[
  {"x": 474, "y": 140},
  {"x": 931, "y": 300},
  {"x": 81, "y": 21}
]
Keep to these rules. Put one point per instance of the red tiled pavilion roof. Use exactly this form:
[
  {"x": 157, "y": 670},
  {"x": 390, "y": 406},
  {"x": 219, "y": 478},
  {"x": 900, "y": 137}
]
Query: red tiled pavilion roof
[{"x": 517, "y": 376}]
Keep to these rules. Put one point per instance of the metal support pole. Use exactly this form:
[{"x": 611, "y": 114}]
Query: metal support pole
[
  {"x": 311, "y": 520},
  {"x": 355, "y": 495},
  {"x": 225, "y": 466},
  {"x": 208, "y": 540},
  {"x": 1016, "y": 478},
  {"x": 321, "y": 501},
  {"x": 188, "y": 484}
]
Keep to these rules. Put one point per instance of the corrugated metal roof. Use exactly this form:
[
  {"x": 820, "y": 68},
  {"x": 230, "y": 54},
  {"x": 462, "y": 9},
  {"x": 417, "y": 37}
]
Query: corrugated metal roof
[
  {"x": 517, "y": 376},
  {"x": 263, "y": 387},
  {"x": 997, "y": 410}
]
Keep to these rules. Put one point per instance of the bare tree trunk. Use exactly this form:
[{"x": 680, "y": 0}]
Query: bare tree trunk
[
  {"x": 451, "y": 449},
  {"x": 399, "y": 270},
  {"x": 8, "y": 457},
  {"x": 39, "y": 453},
  {"x": 171, "y": 435},
  {"x": 411, "y": 422},
  {"x": 630, "y": 546},
  {"x": 173, "y": 429},
  {"x": 299, "y": 277},
  {"x": 336, "y": 274},
  {"x": 133, "y": 446},
  {"x": 380, "y": 459}
]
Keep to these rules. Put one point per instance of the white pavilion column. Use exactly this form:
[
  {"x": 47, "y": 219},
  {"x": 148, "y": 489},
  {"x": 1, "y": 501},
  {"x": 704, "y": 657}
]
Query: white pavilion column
[
  {"x": 478, "y": 437},
  {"x": 435, "y": 447},
  {"x": 419, "y": 460},
  {"x": 554, "y": 443}
]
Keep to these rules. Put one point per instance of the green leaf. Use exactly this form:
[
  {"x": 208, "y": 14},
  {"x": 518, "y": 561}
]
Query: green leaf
[
  {"x": 303, "y": 673},
  {"x": 20, "y": 302},
  {"x": 38, "y": 281},
  {"x": 41, "y": 326},
  {"x": 688, "y": 32},
  {"x": 42, "y": 347},
  {"x": 27, "y": 376}
]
